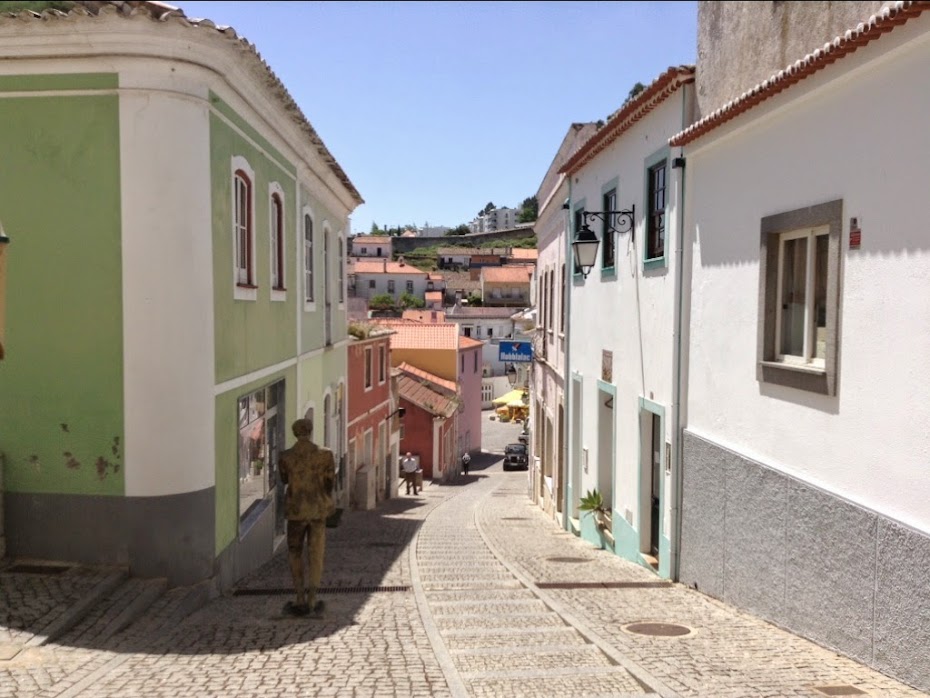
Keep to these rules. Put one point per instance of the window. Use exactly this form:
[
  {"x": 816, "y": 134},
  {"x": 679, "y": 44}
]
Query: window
[
  {"x": 308, "y": 258},
  {"x": 364, "y": 250},
  {"x": 382, "y": 364},
  {"x": 342, "y": 273},
  {"x": 367, "y": 368},
  {"x": 371, "y": 283},
  {"x": 261, "y": 437},
  {"x": 541, "y": 300},
  {"x": 277, "y": 243},
  {"x": 242, "y": 191},
  {"x": 562, "y": 304},
  {"x": 410, "y": 287},
  {"x": 655, "y": 213},
  {"x": 466, "y": 330},
  {"x": 799, "y": 288},
  {"x": 551, "y": 287},
  {"x": 490, "y": 332},
  {"x": 609, "y": 246},
  {"x": 390, "y": 285},
  {"x": 475, "y": 356}
]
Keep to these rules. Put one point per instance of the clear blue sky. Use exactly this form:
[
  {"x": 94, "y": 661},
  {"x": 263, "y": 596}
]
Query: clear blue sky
[{"x": 434, "y": 109}]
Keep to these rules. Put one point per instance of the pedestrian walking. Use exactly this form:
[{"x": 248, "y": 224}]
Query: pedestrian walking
[
  {"x": 408, "y": 464},
  {"x": 466, "y": 461}
]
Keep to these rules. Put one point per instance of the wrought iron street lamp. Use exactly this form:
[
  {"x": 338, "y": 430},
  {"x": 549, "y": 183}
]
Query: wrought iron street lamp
[
  {"x": 512, "y": 375},
  {"x": 585, "y": 243}
]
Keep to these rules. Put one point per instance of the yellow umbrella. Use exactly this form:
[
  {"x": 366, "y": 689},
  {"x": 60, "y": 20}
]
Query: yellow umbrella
[{"x": 507, "y": 398}]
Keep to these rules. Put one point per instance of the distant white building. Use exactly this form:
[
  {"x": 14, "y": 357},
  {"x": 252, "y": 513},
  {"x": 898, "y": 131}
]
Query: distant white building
[
  {"x": 372, "y": 246},
  {"x": 498, "y": 219},
  {"x": 433, "y": 231}
]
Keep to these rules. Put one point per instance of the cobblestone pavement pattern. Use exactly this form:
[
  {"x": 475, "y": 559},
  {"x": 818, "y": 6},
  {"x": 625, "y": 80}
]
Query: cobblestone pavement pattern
[{"x": 444, "y": 594}]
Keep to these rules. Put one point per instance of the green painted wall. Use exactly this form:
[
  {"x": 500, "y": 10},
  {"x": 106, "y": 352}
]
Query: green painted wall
[
  {"x": 227, "y": 445},
  {"x": 61, "y": 385},
  {"x": 250, "y": 335},
  {"x": 312, "y": 336}
]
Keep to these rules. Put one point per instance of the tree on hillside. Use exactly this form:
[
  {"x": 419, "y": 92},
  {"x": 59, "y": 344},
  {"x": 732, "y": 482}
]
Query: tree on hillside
[
  {"x": 529, "y": 209},
  {"x": 487, "y": 209},
  {"x": 459, "y": 230}
]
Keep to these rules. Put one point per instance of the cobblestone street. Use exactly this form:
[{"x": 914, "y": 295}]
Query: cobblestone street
[{"x": 465, "y": 590}]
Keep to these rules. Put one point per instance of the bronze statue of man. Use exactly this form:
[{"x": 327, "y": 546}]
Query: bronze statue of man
[{"x": 310, "y": 474}]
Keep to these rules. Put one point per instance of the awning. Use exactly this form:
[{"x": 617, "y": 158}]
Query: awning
[{"x": 514, "y": 396}]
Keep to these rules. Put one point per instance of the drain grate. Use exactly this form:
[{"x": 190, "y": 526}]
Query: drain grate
[
  {"x": 381, "y": 544},
  {"x": 842, "y": 690},
  {"x": 37, "y": 569},
  {"x": 603, "y": 585},
  {"x": 514, "y": 518},
  {"x": 568, "y": 560},
  {"x": 281, "y": 591},
  {"x": 658, "y": 629}
]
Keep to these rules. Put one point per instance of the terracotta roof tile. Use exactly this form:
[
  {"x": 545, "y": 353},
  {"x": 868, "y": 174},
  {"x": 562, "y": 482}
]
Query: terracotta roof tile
[
  {"x": 631, "y": 112},
  {"x": 161, "y": 14},
  {"x": 441, "y": 383},
  {"x": 524, "y": 253},
  {"x": 362, "y": 265},
  {"x": 415, "y": 335},
  {"x": 513, "y": 274},
  {"x": 864, "y": 33},
  {"x": 466, "y": 312},
  {"x": 371, "y": 239},
  {"x": 424, "y": 315},
  {"x": 433, "y": 296},
  {"x": 423, "y": 396},
  {"x": 468, "y": 342}
]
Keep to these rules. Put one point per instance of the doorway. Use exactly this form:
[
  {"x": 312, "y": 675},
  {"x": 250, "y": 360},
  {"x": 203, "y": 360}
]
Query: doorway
[{"x": 651, "y": 478}]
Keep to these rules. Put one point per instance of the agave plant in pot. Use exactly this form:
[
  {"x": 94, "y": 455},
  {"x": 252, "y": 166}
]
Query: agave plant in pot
[{"x": 593, "y": 504}]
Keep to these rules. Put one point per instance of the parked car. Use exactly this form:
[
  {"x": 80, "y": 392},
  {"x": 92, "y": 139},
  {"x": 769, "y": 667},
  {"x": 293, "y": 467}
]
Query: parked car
[{"x": 516, "y": 457}]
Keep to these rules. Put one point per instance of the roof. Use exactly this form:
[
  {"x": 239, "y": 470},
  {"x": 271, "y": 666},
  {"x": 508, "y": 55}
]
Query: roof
[
  {"x": 423, "y": 396},
  {"x": 383, "y": 266},
  {"x": 162, "y": 14},
  {"x": 433, "y": 276},
  {"x": 525, "y": 253},
  {"x": 466, "y": 312},
  {"x": 469, "y": 343},
  {"x": 411, "y": 370},
  {"x": 512, "y": 274},
  {"x": 433, "y": 296},
  {"x": 372, "y": 239},
  {"x": 462, "y": 281},
  {"x": 424, "y": 315},
  {"x": 631, "y": 112},
  {"x": 890, "y": 17},
  {"x": 416, "y": 335}
]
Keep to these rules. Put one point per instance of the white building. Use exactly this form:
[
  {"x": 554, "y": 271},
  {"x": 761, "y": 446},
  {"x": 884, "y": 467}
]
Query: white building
[
  {"x": 547, "y": 387},
  {"x": 375, "y": 277},
  {"x": 622, "y": 316},
  {"x": 497, "y": 219},
  {"x": 372, "y": 246},
  {"x": 806, "y": 492}
]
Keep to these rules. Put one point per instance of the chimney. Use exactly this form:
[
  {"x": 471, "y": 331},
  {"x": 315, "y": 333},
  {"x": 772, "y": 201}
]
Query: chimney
[
  {"x": 401, "y": 260},
  {"x": 384, "y": 265}
]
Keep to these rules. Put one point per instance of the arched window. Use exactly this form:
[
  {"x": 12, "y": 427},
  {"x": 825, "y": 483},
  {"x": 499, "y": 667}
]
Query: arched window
[
  {"x": 277, "y": 243},
  {"x": 308, "y": 258},
  {"x": 242, "y": 190}
]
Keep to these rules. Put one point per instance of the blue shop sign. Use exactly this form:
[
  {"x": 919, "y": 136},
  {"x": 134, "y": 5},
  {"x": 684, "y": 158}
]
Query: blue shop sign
[{"x": 516, "y": 351}]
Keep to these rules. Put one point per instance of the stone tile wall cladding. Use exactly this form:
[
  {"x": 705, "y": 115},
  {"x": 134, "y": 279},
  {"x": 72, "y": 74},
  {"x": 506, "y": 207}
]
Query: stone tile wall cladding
[{"x": 807, "y": 560}]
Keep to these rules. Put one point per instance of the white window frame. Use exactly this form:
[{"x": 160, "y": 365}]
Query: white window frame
[
  {"x": 811, "y": 235},
  {"x": 308, "y": 274},
  {"x": 243, "y": 291},
  {"x": 340, "y": 248},
  {"x": 278, "y": 290}
]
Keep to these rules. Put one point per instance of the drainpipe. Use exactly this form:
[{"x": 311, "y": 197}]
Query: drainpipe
[
  {"x": 678, "y": 344},
  {"x": 567, "y": 383}
]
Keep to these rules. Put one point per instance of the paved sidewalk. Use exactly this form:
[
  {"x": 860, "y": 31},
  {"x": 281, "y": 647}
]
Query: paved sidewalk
[{"x": 448, "y": 594}]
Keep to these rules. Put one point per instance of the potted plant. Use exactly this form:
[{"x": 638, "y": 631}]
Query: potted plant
[{"x": 593, "y": 504}]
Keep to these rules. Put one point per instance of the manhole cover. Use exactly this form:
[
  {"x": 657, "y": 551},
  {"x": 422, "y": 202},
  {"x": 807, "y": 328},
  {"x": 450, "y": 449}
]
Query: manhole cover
[
  {"x": 568, "y": 560},
  {"x": 658, "y": 629},
  {"x": 514, "y": 518},
  {"x": 845, "y": 690}
]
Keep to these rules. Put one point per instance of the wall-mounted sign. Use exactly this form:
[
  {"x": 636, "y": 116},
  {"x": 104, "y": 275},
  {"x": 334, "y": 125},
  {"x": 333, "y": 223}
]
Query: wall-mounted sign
[
  {"x": 855, "y": 234},
  {"x": 515, "y": 351}
]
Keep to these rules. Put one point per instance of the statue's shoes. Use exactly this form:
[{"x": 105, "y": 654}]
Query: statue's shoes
[
  {"x": 318, "y": 609},
  {"x": 296, "y": 609}
]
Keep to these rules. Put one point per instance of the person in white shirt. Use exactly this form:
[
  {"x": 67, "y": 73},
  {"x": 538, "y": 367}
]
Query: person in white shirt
[{"x": 408, "y": 464}]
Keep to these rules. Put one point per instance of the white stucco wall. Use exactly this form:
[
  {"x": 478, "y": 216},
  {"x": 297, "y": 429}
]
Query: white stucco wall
[
  {"x": 857, "y": 132},
  {"x": 631, "y": 313},
  {"x": 167, "y": 282}
]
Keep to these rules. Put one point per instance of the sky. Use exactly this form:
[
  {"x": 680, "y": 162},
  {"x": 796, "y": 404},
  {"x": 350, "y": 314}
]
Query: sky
[{"x": 435, "y": 109}]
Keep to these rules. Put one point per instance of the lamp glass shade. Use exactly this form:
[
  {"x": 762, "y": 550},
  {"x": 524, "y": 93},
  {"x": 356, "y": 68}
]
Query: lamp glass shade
[
  {"x": 512, "y": 375},
  {"x": 585, "y": 248}
]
